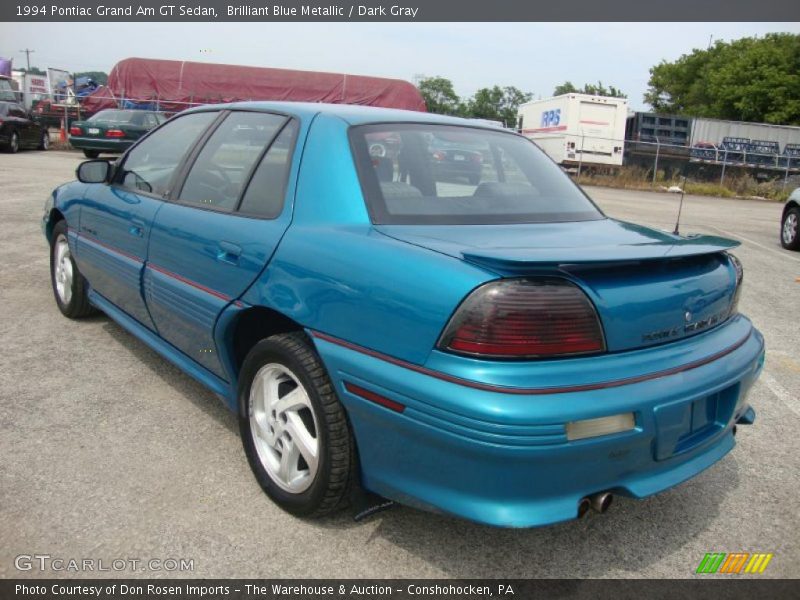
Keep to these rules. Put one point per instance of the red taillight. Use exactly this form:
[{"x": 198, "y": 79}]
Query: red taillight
[
  {"x": 75, "y": 130},
  {"x": 476, "y": 158},
  {"x": 519, "y": 318},
  {"x": 439, "y": 155},
  {"x": 115, "y": 133}
]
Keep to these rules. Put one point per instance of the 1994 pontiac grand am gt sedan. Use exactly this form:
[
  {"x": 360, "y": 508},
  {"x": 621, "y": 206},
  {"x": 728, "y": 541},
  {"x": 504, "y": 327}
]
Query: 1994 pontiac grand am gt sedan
[{"x": 496, "y": 349}]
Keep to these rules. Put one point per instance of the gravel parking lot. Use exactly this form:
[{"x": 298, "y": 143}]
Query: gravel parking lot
[{"x": 107, "y": 451}]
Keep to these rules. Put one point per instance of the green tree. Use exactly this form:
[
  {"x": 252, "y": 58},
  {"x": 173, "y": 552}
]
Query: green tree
[
  {"x": 589, "y": 88},
  {"x": 750, "y": 79},
  {"x": 497, "y": 104},
  {"x": 99, "y": 77},
  {"x": 33, "y": 71},
  {"x": 439, "y": 96}
]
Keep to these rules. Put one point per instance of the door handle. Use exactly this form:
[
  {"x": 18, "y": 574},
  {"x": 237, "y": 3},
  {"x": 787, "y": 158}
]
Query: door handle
[
  {"x": 229, "y": 253},
  {"x": 137, "y": 228}
]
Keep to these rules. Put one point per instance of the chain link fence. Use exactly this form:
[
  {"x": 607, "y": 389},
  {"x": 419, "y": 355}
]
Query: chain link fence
[{"x": 724, "y": 157}]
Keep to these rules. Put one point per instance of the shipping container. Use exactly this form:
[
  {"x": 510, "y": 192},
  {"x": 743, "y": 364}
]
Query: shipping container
[
  {"x": 714, "y": 131},
  {"x": 577, "y": 128},
  {"x": 654, "y": 128}
]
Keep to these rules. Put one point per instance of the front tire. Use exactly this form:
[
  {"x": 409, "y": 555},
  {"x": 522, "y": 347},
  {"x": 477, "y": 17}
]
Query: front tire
[
  {"x": 294, "y": 429},
  {"x": 69, "y": 286},
  {"x": 91, "y": 153},
  {"x": 790, "y": 227}
]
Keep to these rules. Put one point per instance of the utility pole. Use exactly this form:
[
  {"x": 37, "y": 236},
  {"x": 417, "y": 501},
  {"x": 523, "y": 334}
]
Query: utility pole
[{"x": 28, "y": 52}]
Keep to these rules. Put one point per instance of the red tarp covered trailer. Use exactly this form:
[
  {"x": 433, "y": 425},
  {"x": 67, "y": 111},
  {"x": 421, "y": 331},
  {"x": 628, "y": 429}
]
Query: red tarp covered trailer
[{"x": 175, "y": 85}]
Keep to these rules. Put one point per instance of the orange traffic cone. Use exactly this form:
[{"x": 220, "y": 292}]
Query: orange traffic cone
[{"x": 62, "y": 134}]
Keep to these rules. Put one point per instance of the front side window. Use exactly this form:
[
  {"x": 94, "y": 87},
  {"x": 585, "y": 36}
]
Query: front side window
[
  {"x": 150, "y": 165},
  {"x": 224, "y": 166},
  {"x": 450, "y": 175}
]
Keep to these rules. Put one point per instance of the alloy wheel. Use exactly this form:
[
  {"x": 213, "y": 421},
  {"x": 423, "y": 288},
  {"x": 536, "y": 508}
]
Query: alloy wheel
[
  {"x": 790, "y": 228},
  {"x": 63, "y": 270},
  {"x": 284, "y": 428}
]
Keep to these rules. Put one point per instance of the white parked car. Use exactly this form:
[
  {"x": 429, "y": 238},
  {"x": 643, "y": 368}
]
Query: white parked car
[{"x": 789, "y": 222}]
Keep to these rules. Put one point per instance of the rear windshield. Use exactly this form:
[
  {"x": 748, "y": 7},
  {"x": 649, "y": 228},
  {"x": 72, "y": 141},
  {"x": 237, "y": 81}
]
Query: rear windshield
[
  {"x": 452, "y": 175},
  {"x": 118, "y": 116}
]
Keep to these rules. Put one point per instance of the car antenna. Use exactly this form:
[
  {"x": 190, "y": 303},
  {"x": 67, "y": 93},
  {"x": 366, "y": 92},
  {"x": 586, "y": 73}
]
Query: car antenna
[{"x": 676, "y": 231}]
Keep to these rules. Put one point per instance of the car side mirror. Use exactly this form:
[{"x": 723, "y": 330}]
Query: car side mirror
[{"x": 93, "y": 171}]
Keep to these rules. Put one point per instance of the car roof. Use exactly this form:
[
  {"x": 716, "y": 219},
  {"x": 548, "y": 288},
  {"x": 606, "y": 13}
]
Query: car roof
[
  {"x": 352, "y": 114},
  {"x": 129, "y": 110}
]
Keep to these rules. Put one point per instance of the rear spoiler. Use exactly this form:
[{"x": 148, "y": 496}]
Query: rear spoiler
[{"x": 525, "y": 258}]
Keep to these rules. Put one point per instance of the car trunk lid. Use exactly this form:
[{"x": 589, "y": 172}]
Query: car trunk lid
[
  {"x": 649, "y": 287},
  {"x": 99, "y": 129}
]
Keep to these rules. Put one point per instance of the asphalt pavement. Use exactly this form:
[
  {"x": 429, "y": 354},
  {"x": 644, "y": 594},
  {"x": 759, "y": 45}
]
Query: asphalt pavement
[{"x": 109, "y": 452}]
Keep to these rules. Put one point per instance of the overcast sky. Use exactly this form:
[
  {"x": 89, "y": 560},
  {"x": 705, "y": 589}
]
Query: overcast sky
[{"x": 534, "y": 57}]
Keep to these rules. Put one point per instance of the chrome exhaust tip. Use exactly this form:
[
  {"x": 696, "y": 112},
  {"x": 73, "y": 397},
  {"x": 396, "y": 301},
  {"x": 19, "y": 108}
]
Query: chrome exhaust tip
[
  {"x": 601, "y": 501},
  {"x": 583, "y": 507}
]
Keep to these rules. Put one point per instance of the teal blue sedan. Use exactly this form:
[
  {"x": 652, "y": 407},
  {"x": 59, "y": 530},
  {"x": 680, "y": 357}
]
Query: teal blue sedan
[
  {"x": 492, "y": 347},
  {"x": 112, "y": 131}
]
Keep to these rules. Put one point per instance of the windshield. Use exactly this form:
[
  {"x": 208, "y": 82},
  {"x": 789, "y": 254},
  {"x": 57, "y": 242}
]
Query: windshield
[
  {"x": 442, "y": 174},
  {"x": 6, "y": 91}
]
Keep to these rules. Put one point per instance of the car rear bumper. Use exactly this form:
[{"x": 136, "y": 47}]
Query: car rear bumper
[
  {"x": 500, "y": 455},
  {"x": 103, "y": 144}
]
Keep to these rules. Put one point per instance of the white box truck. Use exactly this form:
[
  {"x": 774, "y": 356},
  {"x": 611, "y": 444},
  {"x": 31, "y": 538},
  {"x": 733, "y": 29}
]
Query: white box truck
[{"x": 577, "y": 128}]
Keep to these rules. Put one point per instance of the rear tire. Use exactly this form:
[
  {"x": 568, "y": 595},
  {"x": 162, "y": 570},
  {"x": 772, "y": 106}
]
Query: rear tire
[
  {"x": 474, "y": 179},
  {"x": 790, "y": 229},
  {"x": 13, "y": 144},
  {"x": 288, "y": 411},
  {"x": 91, "y": 153},
  {"x": 69, "y": 286}
]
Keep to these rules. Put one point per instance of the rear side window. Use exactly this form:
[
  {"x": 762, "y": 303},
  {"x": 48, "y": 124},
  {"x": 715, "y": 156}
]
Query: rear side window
[
  {"x": 223, "y": 167},
  {"x": 150, "y": 120},
  {"x": 150, "y": 165},
  {"x": 15, "y": 110},
  {"x": 267, "y": 189},
  {"x": 450, "y": 175}
]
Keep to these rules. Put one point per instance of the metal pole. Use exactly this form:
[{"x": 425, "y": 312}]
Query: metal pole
[
  {"x": 655, "y": 165},
  {"x": 786, "y": 175},
  {"x": 28, "y": 52},
  {"x": 580, "y": 159},
  {"x": 724, "y": 162}
]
